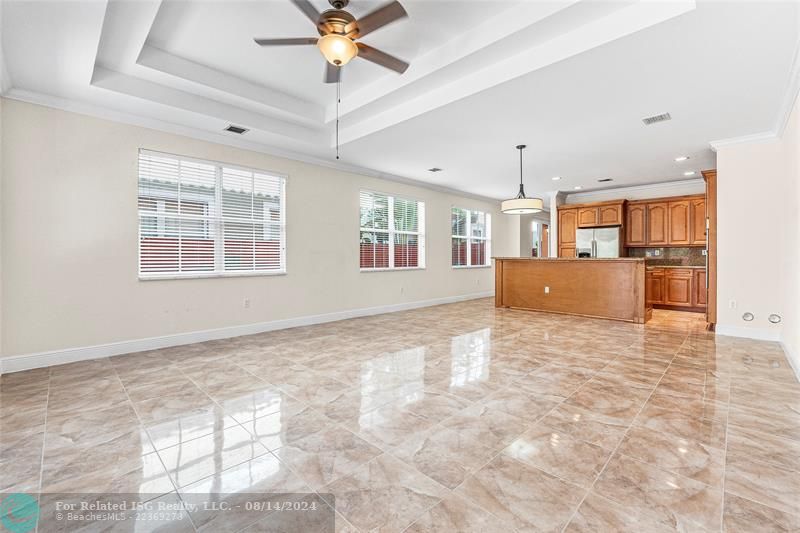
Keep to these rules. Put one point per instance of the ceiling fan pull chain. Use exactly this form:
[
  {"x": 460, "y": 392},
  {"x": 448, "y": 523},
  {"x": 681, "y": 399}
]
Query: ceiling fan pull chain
[{"x": 338, "y": 101}]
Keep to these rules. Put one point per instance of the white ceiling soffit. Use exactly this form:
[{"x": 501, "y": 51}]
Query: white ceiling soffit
[
  {"x": 516, "y": 41},
  {"x": 569, "y": 78}
]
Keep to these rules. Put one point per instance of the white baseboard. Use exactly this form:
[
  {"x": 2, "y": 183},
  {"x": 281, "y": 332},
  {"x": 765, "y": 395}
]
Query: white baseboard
[
  {"x": 18, "y": 363},
  {"x": 793, "y": 358},
  {"x": 749, "y": 333}
]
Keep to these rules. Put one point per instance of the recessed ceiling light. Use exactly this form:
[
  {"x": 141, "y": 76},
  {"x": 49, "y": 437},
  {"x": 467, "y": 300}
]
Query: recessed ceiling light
[
  {"x": 577, "y": 187},
  {"x": 556, "y": 178},
  {"x": 681, "y": 158},
  {"x": 435, "y": 169},
  {"x": 689, "y": 173}
]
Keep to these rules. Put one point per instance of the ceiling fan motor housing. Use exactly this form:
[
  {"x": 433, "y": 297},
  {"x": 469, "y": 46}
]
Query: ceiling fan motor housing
[{"x": 334, "y": 21}]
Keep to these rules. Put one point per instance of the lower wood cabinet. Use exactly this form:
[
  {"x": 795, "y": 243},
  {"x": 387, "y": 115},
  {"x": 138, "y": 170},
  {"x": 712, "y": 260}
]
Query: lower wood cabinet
[
  {"x": 566, "y": 251},
  {"x": 676, "y": 287},
  {"x": 700, "y": 296},
  {"x": 654, "y": 286}
]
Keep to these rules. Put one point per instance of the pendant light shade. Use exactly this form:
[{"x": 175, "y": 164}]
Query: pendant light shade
[{"x": 521, "y": 205}]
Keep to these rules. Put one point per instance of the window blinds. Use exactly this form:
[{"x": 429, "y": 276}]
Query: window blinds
[
  {"x": 200, "y": 218},
  {"x": 470, "y": 238},
  {"x": 392, "y": 234}
]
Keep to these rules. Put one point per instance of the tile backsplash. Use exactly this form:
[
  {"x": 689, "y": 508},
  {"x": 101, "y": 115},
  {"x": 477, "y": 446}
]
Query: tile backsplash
[{"x": 688, "y": 256}]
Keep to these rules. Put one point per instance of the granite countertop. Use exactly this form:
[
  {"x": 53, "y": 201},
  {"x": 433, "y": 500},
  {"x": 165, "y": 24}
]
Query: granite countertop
[
  {"x": 675, "y": 266},
  {"x": 582, "y": 259}
]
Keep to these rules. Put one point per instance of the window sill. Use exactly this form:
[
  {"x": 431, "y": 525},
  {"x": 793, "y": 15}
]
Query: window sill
[
  {"x": 401, "y": 269},
  {"x": 459, "y": 267},
  {"x": 212, "y": 275}
]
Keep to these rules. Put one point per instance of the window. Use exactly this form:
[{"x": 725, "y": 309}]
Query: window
[
  {"x": 471, "y": 237},
  {"x": 200, "y": 218},
  {"x": 392, "y": 232}
]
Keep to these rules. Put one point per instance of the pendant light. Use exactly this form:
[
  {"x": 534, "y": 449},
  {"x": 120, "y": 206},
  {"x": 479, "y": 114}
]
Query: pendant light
[{"x": 521, "y": 205}]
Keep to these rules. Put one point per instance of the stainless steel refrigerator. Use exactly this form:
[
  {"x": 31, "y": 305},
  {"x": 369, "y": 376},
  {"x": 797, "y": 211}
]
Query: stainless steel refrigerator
[{"x": 598, "y": 242}]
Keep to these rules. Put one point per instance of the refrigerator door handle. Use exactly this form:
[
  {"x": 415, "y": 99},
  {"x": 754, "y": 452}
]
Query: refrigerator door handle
[{"x": 594, "y": 248}]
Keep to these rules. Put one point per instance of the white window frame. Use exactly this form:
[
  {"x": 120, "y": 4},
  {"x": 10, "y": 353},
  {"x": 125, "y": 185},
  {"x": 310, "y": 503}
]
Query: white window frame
[
  {"x": 391, "y": 232},
  {"x": 470, "y": 239},
  {"x": 217, "y": 233}
]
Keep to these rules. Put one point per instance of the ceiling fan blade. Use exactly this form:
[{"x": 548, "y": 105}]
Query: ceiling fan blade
[
  {"x": 383, "y": 59},
  {"x": 377, "y": 19},
  {"x": 332, "y": 73},
  {"x": 286, "y": 42},
  {"x": 308, "y": 10}
]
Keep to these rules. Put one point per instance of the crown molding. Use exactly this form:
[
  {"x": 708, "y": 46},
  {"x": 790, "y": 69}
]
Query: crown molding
[
  {"x": 91, "y": 110},
  {"x": 633, "y": 188},
  {"x": 764, "y": 136}
]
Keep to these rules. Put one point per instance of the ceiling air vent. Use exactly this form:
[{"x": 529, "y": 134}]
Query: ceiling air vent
[
  {"x": 605, "y": 180},
  {"x": 434, "y": 169},
  {"x": 236, "y": 129},
  {"x": 663, "y": 117}
]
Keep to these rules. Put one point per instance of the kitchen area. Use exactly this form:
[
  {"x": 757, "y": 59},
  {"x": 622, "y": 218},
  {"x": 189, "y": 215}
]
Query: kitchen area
[
  {"x": 618, "y": 258},
  {"x": 668, "y": 233}
]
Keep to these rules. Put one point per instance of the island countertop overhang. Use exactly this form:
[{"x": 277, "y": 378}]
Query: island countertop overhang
[{"x": 573, "y": 259}]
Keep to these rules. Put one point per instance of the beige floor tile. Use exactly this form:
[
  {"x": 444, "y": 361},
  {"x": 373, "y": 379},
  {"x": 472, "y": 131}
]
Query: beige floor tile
[
  {"x": 597, "y": 514},
  {"x": 525, "y": 497},
  {"x": 742, "y": 514},
  {"x": 196, "y": 459},
  {"x": 444, "y": 455},
  {"x": 326, "y": 456},
  {"x": 679, "y": 455},
  {"x": 164, "y": 434},
  {"x": 388, "y": 425},
  {"x": 763, "y": 483},
  {"x": 492, "y": 428},
  {"x": 559, "y": 454},
  {"x": 456, "y": 514},
  {"x": 673, "y": 500},
  {"x": 521, "y": 403},
  {"x": 294, "y": 422},
  {"x": 763, "y": 447},
  {"x": 585, "y": 425},
  {"x": 368, "y": 497}
]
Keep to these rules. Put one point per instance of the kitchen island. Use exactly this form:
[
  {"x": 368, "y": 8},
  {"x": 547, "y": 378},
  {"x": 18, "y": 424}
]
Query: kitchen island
[{"x": 599, "y": 288}]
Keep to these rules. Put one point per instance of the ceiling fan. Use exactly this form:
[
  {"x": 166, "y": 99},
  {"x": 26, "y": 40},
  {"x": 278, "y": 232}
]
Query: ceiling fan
[{"x": 339, "y": 30}]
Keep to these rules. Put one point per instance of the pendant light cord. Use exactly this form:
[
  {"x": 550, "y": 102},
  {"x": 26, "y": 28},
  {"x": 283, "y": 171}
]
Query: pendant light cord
[{"x": 521, "y": 193}]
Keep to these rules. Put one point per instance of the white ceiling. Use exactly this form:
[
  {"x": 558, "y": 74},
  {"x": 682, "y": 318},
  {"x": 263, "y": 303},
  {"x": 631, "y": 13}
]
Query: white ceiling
[{"x": 570, "y": 78}]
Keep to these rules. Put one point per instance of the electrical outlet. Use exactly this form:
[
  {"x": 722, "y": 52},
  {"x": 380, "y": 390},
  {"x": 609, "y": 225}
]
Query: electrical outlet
[
  {"x": 402, "y": 290},
  {"x": 732, "y": 304},
  {"x": 477, "y": 282},
  {"x": 705, "y": 252},
  {"x": 246, "y": 303},
  {"x": 657, "y": 252},
  {"x": 547, "y": 290}
]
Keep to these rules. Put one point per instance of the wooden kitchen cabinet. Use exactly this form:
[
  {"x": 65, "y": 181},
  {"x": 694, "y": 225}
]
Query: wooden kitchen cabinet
[
  {"x": 679, "y": 223},
  {"x": 657, "y": 224},
  {"x": 698, "y": 221},
  {"x": 567, "y": 226},
  {"x": 588, "y": 217},
  {"x": 635, "y": 225},
  {"x": 700, "y": 292},
  {"x": 678, "y": 287},
  {"x": 610, "y": 215},
  {"x": 654, "y": 286}
]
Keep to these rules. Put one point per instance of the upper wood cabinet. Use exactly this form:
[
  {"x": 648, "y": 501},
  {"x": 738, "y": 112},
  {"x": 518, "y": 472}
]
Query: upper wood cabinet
[
  {"x": 601, "y": 214},
  {"x": 610, "y": 215},
  {"x": 679, "y": 223},
  {"x": 588, "y": 217},
  {"x": 697, "y": 233},
  {"x": 635, "y": 229},
  {"x": 676, "y": 221},
  {"x": 657, "y": 223}
]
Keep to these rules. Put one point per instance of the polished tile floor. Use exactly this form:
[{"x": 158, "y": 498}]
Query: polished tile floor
[{"x": 453, "y": 418}]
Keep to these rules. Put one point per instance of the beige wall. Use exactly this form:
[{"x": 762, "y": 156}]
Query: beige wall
[
  {"x": 69, "y": 258},
  {"x": 758, "y": 239}
]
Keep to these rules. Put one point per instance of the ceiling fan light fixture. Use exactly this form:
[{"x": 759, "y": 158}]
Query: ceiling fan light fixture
[
  {"x": 337, "y": 49},
  {"x": 521, "y": 205}
]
